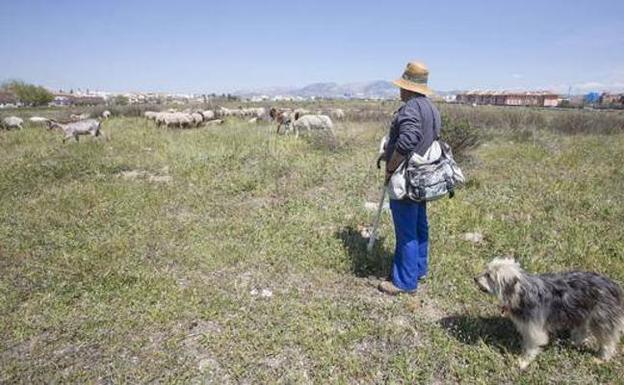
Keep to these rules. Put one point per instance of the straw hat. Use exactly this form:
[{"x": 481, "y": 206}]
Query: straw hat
[{"x": 415, "y": 78}]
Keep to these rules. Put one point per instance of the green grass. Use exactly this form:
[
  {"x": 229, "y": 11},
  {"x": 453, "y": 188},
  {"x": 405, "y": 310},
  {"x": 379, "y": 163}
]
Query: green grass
[{"x": 107, "y": 279}]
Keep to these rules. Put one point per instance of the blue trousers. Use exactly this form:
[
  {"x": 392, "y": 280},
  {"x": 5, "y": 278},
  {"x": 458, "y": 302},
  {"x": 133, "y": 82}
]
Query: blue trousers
[{"x": 412, "y": 243}]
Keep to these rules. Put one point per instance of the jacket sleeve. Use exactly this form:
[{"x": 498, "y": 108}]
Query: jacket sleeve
[{"x": 410, "y": 129}]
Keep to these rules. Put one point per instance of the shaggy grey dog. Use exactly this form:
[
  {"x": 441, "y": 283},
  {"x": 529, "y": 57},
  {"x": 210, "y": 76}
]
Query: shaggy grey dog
[{"x": 588, "y": 305}]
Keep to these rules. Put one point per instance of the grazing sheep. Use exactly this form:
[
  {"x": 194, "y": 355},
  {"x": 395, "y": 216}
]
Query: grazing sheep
[
  {"x": 151, "y": 115},
  {"x": 197, "y": 118},
  {"x": 74, "y": 129},
  {"x": 214, "y": 122},
  {"x": 159, "y": 117},
  {"x": 309, "y": 123},
  {"x": 238, "y": 113},
  {"x": 253, "y": 120},
  {"x": 337, "y": 113},
  {"x": 12, "y": 122},
  {"x": 208, "y": 115},
  {"x": 38, "y": 119},
  {"x": 76, "y": 117},
  {"x": 223, "y": 112},
  {"x": 177, "y": 119},
  {"x": 299, "y": 112},
  {"x": 259, "y": 112},
  {"x": 106, "y": 114}
]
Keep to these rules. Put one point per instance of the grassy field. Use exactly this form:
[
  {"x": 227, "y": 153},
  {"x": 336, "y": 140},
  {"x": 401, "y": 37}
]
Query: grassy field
[{"x": 230, "y": 255}]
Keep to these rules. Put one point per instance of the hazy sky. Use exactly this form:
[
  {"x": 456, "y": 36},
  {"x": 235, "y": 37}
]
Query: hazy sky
[{"x": 205, "y": 46}]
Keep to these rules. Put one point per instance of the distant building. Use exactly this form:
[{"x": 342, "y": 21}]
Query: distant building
[
  {"x": 609, "y": 99},
  {"x": 63, "y": 99},
  {"x": 87, "y": 100},
  {"x": 504, "y": 98}
]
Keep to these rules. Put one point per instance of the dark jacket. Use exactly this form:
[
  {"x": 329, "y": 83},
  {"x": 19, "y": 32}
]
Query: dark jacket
[{"x": 414, "y": 127}]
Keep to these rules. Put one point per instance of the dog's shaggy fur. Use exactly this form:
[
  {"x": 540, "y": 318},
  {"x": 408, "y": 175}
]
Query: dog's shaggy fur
[{"x": 588, "y": 305}]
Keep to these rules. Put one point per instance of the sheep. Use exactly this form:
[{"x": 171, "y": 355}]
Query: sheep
[
  {"x": 208, "y": 115},
  {"x": 151, "y": 115},
  {"x": 197, "y": 118},
  {"x": 76, "y": 117},
  {"x": 237, "y": 113},
  {"x": 38, "y": 119},
  {"x": 299, "y": 112},
  {"x": 224, "y": 112},
  {"x": 177, "y": 119},
  {"x": 12, "y": 122},
  {"x": 74, "y": 129},
  {"x": 159, "y": 117},
  {"x": 337, "y": 113},
  {"x": 106, "y": 114},
  {"x": 184, "y": 120},
  {"x": 309, "y": 123},
  {"x": 258, "y": 112},
  {"x": 214, "y": 122}
]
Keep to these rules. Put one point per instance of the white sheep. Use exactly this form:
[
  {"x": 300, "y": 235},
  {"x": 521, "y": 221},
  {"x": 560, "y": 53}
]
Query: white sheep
[
  {"x": 77, "y": 117},
  {"x": 208, "y": 115},
  {"x": 260, "y": 112},
  {"x": 74, "y": 129},
  {"x": 224, "y": 112},
  {"x": 38, "y": 119},
  {"x": 299, "y": 112},
  {"x": 309, "y": 123},
  {"x": 151, "y": 115},
  {"x": 175, "y": 119},
  {"x": 159, "y": 117},
  {"x": 337, "y": 113},
  {"x": 12, "y": 122},
  {"x": 214, "y": 122},
  {"x": 197, "y": 118},
  {"x": 106, "y": 114}
]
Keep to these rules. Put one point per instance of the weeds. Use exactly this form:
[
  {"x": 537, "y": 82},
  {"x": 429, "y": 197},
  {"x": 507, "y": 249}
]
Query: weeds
[{"x": 110, "y": 279}]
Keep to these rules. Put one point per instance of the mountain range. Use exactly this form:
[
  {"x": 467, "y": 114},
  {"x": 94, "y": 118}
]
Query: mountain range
[{"x": 378, "y": 89}]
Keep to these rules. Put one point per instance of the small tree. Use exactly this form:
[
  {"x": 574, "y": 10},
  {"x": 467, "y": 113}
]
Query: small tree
[
  {"x": 120, "y": 100},
  {"x": 28, "y": 94}
]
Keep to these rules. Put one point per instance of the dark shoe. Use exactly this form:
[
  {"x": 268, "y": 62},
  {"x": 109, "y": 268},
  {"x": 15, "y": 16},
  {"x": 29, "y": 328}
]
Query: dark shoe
[{"x": 389, "y": 288}]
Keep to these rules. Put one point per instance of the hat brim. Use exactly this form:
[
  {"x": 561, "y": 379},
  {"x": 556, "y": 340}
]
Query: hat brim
[{"x": 414, "y": 87}]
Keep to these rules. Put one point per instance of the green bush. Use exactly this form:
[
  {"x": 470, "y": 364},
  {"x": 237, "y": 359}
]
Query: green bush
[
  {"x": 460, "y": 135},
  {"x": 594, "y": 122},
  {"x": 28, "y": 94}
]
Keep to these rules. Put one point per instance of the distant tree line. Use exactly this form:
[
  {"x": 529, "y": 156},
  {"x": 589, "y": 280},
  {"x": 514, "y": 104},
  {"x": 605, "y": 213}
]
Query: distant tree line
[{"x": 28, "y": 94}]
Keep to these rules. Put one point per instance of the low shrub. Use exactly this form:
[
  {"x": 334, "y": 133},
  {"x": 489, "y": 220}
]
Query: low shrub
[{"x": 460, "y": 135}]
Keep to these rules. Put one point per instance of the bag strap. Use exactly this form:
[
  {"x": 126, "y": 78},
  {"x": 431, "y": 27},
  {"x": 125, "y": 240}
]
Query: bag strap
[{"x": 435, "y": 120}]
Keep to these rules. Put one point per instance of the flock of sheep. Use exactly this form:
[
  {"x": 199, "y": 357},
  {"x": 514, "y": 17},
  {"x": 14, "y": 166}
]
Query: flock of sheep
[
  {"x": 296, "y": 121},
  {"x": 293, "y": 120},
  {"x": 80, "y": 125}
]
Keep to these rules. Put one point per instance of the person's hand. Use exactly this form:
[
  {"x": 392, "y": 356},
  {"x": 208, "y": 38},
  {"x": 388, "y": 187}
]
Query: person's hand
[{"x": 380, "y": 159}]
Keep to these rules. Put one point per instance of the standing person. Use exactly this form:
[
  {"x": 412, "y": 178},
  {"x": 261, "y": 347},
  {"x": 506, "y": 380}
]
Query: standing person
[{"x": 415, "y": 126}]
